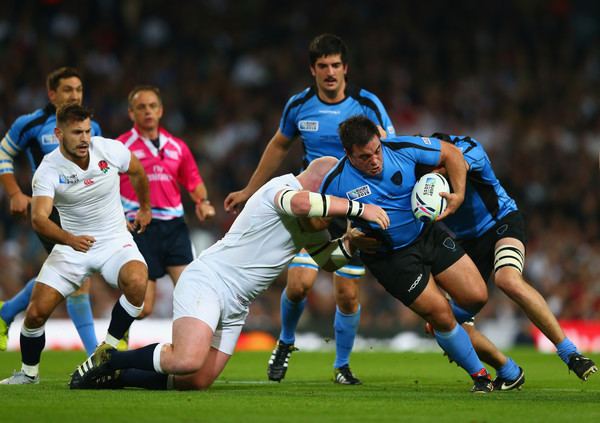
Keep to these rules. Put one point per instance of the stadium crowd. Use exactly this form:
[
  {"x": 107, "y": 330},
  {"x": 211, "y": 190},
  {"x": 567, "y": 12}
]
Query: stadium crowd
[{"x": 521, "y": 77}]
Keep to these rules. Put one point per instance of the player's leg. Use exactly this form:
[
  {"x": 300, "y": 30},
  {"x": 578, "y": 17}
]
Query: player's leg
[
  {"x": 149, "y": 299},
  {"x": 44, "y": 300},
  {"x": 301, "y": 276},
  {"x": 451, "y": 337},
  {"x": 510, "y": 257},
  {"x": 10, "y": 308},
  {"x": 347, "y": 318},
  {"x": 80, "y": 310}
]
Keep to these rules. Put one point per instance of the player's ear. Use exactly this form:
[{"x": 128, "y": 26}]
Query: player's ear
[
  {"x": 130, "y": 113},
  {"x": 312, "y": 70},
  {"x": 58, "y": 133}
]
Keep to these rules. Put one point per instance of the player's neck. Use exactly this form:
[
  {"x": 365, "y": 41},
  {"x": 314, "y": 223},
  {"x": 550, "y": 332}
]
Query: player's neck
[
  {"x": 332, "y": 96},
  {"x": 82, "y": 162},
  {"x": 150, "y": 133}
]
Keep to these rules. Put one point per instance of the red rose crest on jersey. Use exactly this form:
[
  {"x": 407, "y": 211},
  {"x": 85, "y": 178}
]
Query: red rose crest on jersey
[{"x": 103, "y": 166}]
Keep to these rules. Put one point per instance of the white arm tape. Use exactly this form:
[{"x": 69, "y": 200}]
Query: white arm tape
[
  {"x": 334, "y": 250},
  {"x": 319, "y": 203}
]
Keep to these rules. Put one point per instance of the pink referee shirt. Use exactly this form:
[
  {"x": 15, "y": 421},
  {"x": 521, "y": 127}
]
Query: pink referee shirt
[{"x": 167, "y": 167}]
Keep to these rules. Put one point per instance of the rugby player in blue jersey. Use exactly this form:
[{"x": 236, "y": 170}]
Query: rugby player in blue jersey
[
  {"x": 491, "y": 229},
  {"x": 314, "y": 115},
  {"x": 33, "y": 134},
  {"x": 414, "y": 258}
]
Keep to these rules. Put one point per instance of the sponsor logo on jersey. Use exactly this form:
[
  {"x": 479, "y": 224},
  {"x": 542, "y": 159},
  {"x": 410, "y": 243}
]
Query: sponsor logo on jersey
[
  {"x": 330, "y": 112},
  {"x": 68, "y": 179},
  {"x": 49, "y": 139},
  {"x": 426, "y": 140},
  {"x": 88, "y": 182},
  {"x": 103, "y": 165},
  {"x": 140, "y": 154},
  {"x": 308, "y": 125},
  {"x": 359, "y": 192}
]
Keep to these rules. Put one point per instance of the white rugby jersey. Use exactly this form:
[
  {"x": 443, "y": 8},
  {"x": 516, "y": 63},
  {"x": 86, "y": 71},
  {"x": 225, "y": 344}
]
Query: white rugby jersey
[
  {"x": 260, "y": 244},
  {"x": 88, "y": 201}
]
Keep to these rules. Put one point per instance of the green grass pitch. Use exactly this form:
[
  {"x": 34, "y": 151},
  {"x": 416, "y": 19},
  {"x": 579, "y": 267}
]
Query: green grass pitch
[{"x": 408, "y": 387}]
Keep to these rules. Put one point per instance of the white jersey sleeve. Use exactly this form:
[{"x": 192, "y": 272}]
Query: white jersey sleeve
[{"x": 44, "y": 181}]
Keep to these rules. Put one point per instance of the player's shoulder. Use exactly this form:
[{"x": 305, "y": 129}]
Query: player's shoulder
[
  {"x": 400, "y": 142},
  {"x": 335, "y": 174},
  {"x": 171, "y": 137},
  {"x": 28, "y": 121},
  {"x": 50, "y": 162},
  {"x": 104, "y": 145},
  {"x": 465, "y": 143},
  {"x": 301, "y": 97}
]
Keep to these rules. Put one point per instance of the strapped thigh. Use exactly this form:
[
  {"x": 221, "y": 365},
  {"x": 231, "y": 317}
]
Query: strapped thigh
[{"x": 509, "y": 255}]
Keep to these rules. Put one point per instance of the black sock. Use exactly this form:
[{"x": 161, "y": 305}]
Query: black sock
[
  {"x": 136, "y": 378},
  {"x": 120, "y": 321},
  {"x": 142, "y": 358},
  {"x": 31, "y": 349}
]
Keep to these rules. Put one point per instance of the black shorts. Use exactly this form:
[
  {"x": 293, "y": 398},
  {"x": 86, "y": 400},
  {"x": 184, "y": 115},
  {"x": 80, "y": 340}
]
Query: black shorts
[
  {"x": 163, "y": 244},
  {"x": 47, "y": 242},
  {"x": 336, "y": 229},
  {"x": 482, "y": 249},
  {"x": 404, "y": 273}
]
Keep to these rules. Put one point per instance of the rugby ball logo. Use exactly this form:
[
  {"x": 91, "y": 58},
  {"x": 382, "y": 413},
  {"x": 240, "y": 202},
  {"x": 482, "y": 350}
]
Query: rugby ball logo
[{"x": 425, "y": 201}]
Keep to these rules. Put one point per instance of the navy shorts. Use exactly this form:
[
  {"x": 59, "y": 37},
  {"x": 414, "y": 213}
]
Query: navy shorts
[
  {"x": 404, "y": 273},
  {"x": 163, "y": 244},
  {"x": 47, "y": 242}
]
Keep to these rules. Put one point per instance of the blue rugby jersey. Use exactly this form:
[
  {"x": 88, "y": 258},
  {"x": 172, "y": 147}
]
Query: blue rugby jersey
[
  {"x": 34, "y": 134},
  {"x": 486, "y": 201},
  {"x": 390, "y": 190},
  {"x": 316, "y": 122}
]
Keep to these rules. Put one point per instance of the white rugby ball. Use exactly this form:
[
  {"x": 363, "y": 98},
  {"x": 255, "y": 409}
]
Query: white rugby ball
[{"x": 425, "y": 201}]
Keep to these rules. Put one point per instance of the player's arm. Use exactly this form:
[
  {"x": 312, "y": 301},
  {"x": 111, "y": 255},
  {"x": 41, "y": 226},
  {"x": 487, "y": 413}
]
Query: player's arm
[
  {"x": 276, "y": 150},
  {"x": 204, "y": 210},
  {"x": 453, "y": 161},
  {"x": 18, "y": 201},
  {"x": 139, "y": 181},
  {"x": 310, "y": 204},
  {"x": 41, "y": 208},
  {"x": 334, "y": 254}
]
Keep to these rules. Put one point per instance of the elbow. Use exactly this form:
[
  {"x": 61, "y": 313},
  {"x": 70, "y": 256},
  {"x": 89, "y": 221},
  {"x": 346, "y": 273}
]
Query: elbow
[{"x": 301, "y": 205}]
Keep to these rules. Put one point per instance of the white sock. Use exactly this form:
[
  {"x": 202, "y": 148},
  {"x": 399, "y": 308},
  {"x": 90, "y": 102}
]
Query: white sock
[
  {"x": 31, "y": 371},
  {"x": 156, "y": 359}
]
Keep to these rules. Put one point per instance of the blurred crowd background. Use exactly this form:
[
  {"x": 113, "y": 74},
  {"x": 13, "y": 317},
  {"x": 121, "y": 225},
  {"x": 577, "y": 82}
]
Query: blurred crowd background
[{"x": 523, "y": 77}]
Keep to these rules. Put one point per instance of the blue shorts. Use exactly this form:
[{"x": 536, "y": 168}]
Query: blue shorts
[{"x": 163, "y": 244}]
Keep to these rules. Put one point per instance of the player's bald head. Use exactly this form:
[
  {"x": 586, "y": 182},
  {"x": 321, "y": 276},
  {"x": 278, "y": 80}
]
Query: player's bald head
[{"x": 313, "y": 175}]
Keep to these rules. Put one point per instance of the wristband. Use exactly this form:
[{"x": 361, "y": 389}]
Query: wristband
[{"x": 355, "y": 209}]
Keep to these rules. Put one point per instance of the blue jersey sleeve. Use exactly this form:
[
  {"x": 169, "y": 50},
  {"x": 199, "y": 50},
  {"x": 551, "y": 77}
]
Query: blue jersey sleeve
[
  {"x": 96, "y": 131},
  {"x": 422, "y": 150},
  {"x": 473, "y": 152},
  {"x": 288, "y": 125},
  {"x": 374, "y": 110}
]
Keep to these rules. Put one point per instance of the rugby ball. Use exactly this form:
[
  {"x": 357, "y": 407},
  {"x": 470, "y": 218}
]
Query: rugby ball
[{"x": 425, "y": 201}]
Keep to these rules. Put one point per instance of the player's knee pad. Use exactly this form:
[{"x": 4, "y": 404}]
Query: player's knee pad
[
  {"x": 351, "y": 272},
  {"x": 508, "y": 255}
]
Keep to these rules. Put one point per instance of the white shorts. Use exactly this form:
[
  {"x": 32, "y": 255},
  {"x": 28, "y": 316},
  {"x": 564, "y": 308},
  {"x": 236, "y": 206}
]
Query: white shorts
[
  {"x": 200, "y": 294},
  {"x": 65, "y": 269}
]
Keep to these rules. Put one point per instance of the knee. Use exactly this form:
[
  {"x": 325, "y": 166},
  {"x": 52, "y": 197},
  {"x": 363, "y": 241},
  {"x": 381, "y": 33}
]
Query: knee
[
  {"x": 34, "y": 318},
  {"x": 299, "y": 284},
  {"x": 346, "y": 296},
  {"x": 188, "y": 365},
  {"x": 442, "y": 319},
  {"x": 509, "y": 281}
]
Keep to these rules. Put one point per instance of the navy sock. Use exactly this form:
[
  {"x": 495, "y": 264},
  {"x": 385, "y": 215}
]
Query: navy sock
[
  {"x": 346, "y": 326},
  {"x": 31, "y": 349},
  {"x": 142, "y": 358},
  {"x": 460, "y": 313},
  {"x": 120, "y": 321},
  {"x": 17, "y": 304},
  {"x": 290, "y": 314},
  {"x": 565, "y": 348},
  {"x": 80, "y": 311},
  {"x": 136, "y": 378}
]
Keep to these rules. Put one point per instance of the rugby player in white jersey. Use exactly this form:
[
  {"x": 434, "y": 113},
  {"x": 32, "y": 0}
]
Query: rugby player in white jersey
[
  {"x": 81, "y": 179},
  {"x": 212, "y": 297}
]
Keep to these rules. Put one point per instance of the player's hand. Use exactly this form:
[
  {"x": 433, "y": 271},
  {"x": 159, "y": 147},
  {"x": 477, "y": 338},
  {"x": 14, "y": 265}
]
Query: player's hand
[
  {"x": 81, "y": 243},
  {"x": 204, "y": 210},
  {"x": 235, "y": 201},
  {"x": 19, "y": 203},
  {"x": 454, "y": 202},
  {"x": 142, "y": 219},
  {"x": 359, "y": 241},
  {"x": 375, "y": 214}
]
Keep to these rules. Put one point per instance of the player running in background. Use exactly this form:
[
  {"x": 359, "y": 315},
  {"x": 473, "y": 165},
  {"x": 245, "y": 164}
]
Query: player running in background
[
  {"x": 212, "y": 299},
  {"x": 414, "y": 258},
  {"x": 491, "y": 229},
  {"x": 34, "y": 135},
  {"x": 80, "y": 178},
  {"x": 168, "y": 162},
  {"x": 314, "y": 115}
]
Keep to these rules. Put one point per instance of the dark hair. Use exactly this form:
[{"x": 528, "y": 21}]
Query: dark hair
[
  {"x": 357, "y": 130},
  {"x": 72, "y": 112},
  {"x": 327, "y": 45},
  {"x": 139, "y": 88},
  {"x": 54, "y": 77}
]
